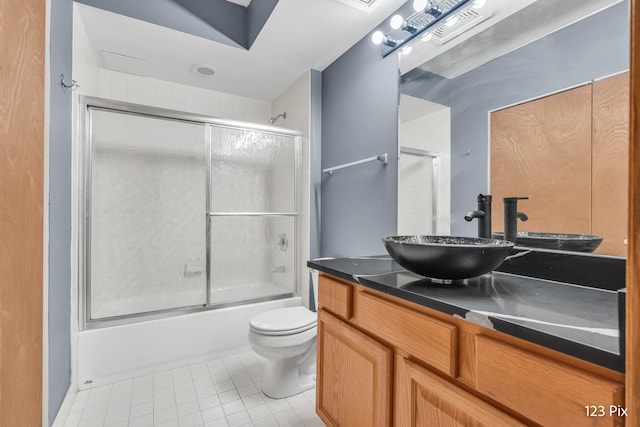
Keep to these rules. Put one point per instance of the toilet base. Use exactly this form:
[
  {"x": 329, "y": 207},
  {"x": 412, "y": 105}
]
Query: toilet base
[{"x": 282, "y": 378}]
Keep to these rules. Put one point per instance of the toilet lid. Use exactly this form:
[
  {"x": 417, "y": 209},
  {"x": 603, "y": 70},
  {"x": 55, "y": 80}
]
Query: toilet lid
[{"x": 284, "y": 321}]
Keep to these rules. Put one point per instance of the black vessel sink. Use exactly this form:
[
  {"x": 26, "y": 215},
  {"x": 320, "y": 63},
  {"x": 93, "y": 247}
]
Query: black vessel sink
[
  {"x": 447, "y": 257},
  {"x": 560, "y": 241}
]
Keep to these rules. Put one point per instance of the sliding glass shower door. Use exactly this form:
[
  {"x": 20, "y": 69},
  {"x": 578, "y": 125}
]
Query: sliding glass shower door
[
  {"x": 147, "y": 242},
  {"x": 253, "y": 214},
  {"x": 185, "y": 212}
]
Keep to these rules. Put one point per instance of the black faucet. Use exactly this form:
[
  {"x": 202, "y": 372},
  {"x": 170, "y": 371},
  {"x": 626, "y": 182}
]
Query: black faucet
[
  {"x": 511, "y": 216},
  {"x": 483, "y": 214}
]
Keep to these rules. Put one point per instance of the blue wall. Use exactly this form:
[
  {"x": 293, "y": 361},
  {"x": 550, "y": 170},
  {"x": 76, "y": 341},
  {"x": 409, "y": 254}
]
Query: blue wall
[
  {"x": 594, "y": 47},
  {"x": 59, "y": 310},
  {"x": 359, "y": 120}
]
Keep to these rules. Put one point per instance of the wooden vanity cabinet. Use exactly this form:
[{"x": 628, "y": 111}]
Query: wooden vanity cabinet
[
  {"x": 425, "y": 399},
  {"x": 383, "y": 361},
  {"x": 354, "y": 376}
]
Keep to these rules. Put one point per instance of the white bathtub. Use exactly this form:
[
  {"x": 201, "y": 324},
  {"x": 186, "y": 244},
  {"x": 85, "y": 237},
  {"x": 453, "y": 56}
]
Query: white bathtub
[{"x": 118, "y": 353}]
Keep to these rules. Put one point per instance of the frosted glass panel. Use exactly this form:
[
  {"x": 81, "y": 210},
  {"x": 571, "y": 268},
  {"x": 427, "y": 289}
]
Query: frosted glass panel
[
  {"x": 415, "y": 195},
  {"x": 251, "y": 257},
  {"x": 252, "y": 171},
  {"x": 148, "y": 227}
]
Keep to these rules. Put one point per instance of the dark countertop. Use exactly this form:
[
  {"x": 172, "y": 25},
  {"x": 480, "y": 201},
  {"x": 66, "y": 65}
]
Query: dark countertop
[{"x": 580, "y": 321}]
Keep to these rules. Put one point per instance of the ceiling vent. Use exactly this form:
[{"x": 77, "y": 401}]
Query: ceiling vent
[
  {"x": 123, "y": 63},
  {"x": 363, "y": 5},
  {"x": 203, "y": 70},
  {"x": 465, "y": 20},
  {"x": 447, "y": 29}
]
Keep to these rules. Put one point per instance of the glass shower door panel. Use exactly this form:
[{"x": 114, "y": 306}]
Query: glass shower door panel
[
  {"x": 147, "y": 223},
  {"x": 252, "y": 257},
  {"x": 252, "y": 171},
  {"x": 415, "y": 195}
]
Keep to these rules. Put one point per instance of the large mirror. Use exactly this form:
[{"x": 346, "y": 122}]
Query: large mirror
[{"x": 519, "y": 99}]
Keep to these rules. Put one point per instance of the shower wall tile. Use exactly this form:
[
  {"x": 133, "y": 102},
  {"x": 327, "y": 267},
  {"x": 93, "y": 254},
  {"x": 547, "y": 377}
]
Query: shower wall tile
[
  {"x": 202, "y": 101},
  {"x": 135, "y": 85},
  {"x": 164, "y": 96},
  {"x": 439, "y": 141},
  {"x": 159, "y": 93},
  {"x": 296, "y": 102}
]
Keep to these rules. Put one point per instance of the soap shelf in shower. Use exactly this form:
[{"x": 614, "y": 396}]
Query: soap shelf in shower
[{"x": 384, "y": 158}]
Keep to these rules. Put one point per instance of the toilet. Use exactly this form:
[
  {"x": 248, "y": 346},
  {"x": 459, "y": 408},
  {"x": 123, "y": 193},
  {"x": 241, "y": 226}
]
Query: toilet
[{"x": 286, "y": 337}]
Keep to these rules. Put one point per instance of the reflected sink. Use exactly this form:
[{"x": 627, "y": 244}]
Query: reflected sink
[
  {"x": 560, "y": 241},
  {"x": 447, "y": 257}
]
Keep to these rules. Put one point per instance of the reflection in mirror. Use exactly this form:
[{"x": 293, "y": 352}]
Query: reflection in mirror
[
  {"x": 516, "y": 56},
  {"x": 423, "y": 167},
  {"x": 567, "y": 150}
]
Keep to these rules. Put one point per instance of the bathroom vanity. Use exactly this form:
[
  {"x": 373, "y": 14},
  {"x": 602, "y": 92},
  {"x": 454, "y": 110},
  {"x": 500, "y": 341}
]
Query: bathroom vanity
[{"x": 501, "y": 349}]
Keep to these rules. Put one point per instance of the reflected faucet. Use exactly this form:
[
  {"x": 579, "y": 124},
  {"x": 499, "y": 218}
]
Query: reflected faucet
[
  {"x": 511, "y": 216},
  {"x": 483, "y": 214}
]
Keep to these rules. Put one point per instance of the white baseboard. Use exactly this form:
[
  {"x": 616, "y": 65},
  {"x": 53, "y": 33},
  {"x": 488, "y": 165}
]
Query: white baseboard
[{"x": 61, "y": 417}]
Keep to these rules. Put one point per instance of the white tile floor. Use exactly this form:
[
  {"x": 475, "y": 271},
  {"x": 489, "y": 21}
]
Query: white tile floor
[{"x": 222, "y": 392}]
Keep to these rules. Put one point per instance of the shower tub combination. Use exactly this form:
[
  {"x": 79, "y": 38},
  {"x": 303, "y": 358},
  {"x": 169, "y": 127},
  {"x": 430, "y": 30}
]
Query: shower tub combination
[{"x": 190, "y": 228}]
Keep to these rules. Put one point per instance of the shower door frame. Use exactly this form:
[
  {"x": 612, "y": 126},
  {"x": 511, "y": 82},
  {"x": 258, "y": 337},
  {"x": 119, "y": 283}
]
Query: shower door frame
[{"x": 86, "y": 105}]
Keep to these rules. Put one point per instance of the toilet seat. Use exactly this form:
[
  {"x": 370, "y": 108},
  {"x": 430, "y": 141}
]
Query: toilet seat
[{"x": 284, "y": 321}]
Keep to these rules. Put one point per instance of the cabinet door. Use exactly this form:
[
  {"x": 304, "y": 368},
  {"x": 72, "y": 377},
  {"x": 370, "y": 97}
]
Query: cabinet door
[
  {"x": 354, "y": 376},
  {"x": 423, "y": 399}
]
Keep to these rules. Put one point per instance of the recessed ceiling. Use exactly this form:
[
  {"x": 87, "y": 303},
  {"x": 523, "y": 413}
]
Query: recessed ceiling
[
  {"x": 513, "y": 24},
  {"x": 299, "y": 35},
  {"x": 244, "y": 3}
]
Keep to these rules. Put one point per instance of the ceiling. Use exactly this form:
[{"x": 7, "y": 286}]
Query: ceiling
[
  {"x": 244, "y": 3},
  {"x": 310, "y": 34},
  {"x": 512, "y": 24},
  {"x": 298, "y": 36}
]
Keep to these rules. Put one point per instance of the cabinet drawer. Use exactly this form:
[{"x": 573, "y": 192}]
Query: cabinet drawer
[
  {"x": 543, "y": 390},
  {"x": 430, "y": 340},
  {"x": 335, "y": 296}
]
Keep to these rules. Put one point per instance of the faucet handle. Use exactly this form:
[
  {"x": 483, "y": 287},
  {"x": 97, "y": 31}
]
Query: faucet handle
[
  {"x": 514, "y": 199},
  {"x": 484, "y": 198}
]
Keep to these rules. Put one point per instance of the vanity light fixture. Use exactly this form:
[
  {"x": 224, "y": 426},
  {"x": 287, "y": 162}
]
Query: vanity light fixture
[
  {"x": 379, "y": 38},
  {"x": 428, "y": 13},
  {"x": 427, "y": 7},
  {"x": 399, "y": 23}
]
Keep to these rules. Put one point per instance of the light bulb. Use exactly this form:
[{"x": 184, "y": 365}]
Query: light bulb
[
  {"x": 479, "y": 4},
  {"x": 450, "y": 22},
  {"x": 377, "y": 37},
  {"x": 420, "y": 5},
  {"x": 396, "y": 22},
  {"x": 427, "y": 36}
]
